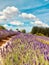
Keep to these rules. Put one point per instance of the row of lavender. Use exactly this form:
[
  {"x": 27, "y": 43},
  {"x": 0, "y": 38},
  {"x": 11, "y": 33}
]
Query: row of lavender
[
  {"x": 25, "y": 49},
  {"x": 6, "y": 33}
]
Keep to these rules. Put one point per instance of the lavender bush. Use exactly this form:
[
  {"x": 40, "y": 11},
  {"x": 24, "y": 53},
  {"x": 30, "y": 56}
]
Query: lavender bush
[{"x": 25, "y": 49}]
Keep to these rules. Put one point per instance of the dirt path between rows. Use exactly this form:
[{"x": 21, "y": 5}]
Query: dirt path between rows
[{"x": 3, "y": 41}]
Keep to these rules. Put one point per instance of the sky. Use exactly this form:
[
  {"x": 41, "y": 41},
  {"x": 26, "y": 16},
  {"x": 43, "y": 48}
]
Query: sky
[{"x": 24, "y": 14}]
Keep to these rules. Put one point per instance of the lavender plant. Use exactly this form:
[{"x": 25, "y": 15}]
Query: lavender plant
[{"x": 25, "y": 49}]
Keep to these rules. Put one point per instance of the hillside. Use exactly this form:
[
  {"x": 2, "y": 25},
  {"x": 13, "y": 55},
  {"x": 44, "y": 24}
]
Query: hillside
[{"x": 25, "y": 49}]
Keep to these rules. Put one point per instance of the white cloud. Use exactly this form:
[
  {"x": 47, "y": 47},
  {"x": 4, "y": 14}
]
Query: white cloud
[
  {"x": 5, "y": 25},
  {"x": 8, "y": 13},
  {"x": 40, "y": 23},
  {"x": 2, "y": 17},
  {"x": 33, "y": 17},
  {"x": 28, "y": 16},
  {"x": 12, "y": 12},
  {"x": 16, "y": 23},
  {"x": 46, "y": 0}
]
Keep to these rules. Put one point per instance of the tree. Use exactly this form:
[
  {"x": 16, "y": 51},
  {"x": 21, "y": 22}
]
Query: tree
[
  {"x": 23, "y": 31},
  {"x": 40, "y": 30},
  {"x": 2, "y": 27},
  {"x": 34, "y": 30}
]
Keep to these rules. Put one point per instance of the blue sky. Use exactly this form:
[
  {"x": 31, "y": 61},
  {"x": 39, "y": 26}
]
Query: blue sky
[{"x": 24, "y": 14}]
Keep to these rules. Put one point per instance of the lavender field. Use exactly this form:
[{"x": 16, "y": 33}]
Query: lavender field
[
  {"x": 24, "y": 32},
  {"x": 25, "y": 49}
]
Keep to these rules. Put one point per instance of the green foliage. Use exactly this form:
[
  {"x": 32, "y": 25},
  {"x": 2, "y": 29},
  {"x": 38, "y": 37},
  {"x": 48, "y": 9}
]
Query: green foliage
[
  {"x": 40, "y": 34},
  {"x": 23, "y": 31},
  {"x": 40, "y": 30},
  {"x": 2, "y": 27},
  {"x": 17, "y": 29},
  {"x": 34, "y": 30}
]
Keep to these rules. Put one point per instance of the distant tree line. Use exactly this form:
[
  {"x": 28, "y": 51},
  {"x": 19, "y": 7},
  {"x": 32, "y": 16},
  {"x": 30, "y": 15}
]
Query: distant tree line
[
  {"x": 41, "y": 30},
  {"x": 23, "y": 30},
  {"x": 35, "y": 30}
]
